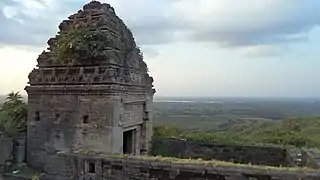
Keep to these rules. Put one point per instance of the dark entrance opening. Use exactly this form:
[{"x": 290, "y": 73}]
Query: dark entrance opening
[
  {"x": 92, "y": 167},
  {"x": 128, "y": 142}
]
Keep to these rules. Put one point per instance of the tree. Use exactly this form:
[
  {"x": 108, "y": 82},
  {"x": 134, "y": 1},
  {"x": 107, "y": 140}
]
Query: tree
[{"x": 13, "y": 115}]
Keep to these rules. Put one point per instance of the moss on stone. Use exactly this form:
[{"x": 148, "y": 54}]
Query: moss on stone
[{"x": 173, "y": 160}]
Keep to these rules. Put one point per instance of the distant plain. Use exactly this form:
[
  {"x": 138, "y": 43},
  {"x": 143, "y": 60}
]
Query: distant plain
[{"x": 221, "y": 113}]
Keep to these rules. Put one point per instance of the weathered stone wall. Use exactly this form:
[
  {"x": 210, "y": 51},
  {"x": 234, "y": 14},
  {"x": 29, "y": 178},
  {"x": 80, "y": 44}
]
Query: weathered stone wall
[
  {"x": 12, "y": 149},
  {"x": 235, "y": 153},
  {"x": 19, "y": 149},
  {"x": 6, "y": 149},
  {"x": 74, "y": 121},
  {"x": 78, "y": 167},
  {"x": 61, "y": 122},
  {"x": 89, "y": 100}
]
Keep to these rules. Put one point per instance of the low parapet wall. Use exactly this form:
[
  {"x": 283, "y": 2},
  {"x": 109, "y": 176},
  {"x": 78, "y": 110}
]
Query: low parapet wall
[
  {"x": 257, "y": 155},
  {"x": 310, "y": 158},
  {"x": 103, "y": 167}
]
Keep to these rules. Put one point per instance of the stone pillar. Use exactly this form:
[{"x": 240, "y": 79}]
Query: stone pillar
[
  {"x": 20, "y": 149},
  {"x": 117, "y": 130},
  {"x": 137, "y": 138},
  {"x": 133, "y": 148},
  {"x": 147, "y": 127}
]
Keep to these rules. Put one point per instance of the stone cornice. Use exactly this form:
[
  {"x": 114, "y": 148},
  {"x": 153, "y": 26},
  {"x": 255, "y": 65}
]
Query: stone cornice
[{"x": 87, "y": 90}]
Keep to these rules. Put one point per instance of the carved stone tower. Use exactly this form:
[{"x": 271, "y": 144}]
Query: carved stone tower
[{"x": 90, "y": 90}]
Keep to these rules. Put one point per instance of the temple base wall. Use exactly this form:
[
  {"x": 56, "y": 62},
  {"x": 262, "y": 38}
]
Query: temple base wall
[{"x": 94, "y": 122}]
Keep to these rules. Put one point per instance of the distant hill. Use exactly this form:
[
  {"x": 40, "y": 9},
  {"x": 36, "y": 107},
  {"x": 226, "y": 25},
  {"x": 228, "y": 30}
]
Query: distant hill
[
  {"x": 301, "y": 132},
  {"x": 219, "y": 114}
]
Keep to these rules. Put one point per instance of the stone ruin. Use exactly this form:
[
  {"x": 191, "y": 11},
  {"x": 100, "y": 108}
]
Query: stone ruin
[
  {"x": 91, "y": 97},
  {"x": 91, "y": 93}
]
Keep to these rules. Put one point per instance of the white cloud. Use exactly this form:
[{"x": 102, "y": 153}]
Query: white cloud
[
  {"x": 247, "y": 22},
  {"x": 228, "y": 23},
  {"x": 250, "y": 28},
  {"x": 263, "y": 50}
]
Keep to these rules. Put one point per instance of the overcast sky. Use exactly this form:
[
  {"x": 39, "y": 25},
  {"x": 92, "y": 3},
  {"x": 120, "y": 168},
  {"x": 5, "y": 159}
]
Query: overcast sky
[{"x": 192, "y": 47}]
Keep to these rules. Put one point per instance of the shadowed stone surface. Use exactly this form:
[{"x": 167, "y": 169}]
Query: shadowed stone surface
[
  {"x": 75, "y": 166},
  {"x": 256, "y": 155},
  {"x": 91, "y": 102},
  {"x": 6, "y": 148}
]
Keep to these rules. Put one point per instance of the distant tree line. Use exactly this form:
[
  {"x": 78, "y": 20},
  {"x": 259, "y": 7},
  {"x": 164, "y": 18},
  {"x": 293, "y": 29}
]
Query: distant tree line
[{"x": 298, "y": 132}]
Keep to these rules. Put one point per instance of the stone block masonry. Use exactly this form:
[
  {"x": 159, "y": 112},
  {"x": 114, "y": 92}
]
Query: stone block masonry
[
  {"x": 256, "y": 155},
  {"x": 12, "y": 149},
  {"x": 94, "y": 94},
  {"x": 6, "y": 149},
  {"x": 104, "y": 167}
]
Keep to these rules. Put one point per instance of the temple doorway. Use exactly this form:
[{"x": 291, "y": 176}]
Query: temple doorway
[{"x": 129, "y": 142}]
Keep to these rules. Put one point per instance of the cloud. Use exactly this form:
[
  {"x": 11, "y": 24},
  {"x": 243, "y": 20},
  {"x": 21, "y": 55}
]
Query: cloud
[
  {"x": 31, "y": 22},
  {"x": 228, "y": 23},
  {"x": 149, "y": 52},
  {"x": 263, "y": 51},
  {"x": 236, "y": 23}
]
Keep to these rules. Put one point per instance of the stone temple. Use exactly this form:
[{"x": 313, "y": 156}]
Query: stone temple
[{"x": 97, "y": 97}]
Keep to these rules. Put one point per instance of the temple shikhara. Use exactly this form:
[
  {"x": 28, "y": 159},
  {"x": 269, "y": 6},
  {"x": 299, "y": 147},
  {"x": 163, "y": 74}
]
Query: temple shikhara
[
  {"x": 90, "y": 90},
  {"x": 90, "y": 117}
]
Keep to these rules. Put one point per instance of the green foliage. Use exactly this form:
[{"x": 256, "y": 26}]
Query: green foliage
[
  {"x": 229, "y": 114},
  {"x": 81, "y": 45},
  {"x": 167, "y": 131},
  {"x": 13, "y": 115},
  {"x": 35, "y": 177},
  {"x": 299, "y": 132},
  {"x": 9, "y": 126},
  {"x": 158, "y": 146}
]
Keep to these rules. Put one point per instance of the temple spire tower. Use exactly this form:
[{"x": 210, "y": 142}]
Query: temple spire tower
[{"x": 91, "y": 89}]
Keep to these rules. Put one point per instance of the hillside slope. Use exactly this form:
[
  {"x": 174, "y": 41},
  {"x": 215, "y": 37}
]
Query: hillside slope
[{"x": 300, "y": 132}]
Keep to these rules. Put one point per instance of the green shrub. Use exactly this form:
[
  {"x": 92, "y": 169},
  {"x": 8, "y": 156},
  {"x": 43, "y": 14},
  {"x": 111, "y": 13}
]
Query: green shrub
[
  {"x": 299, "y": 132},
  {"x": 13, "y": 115}
]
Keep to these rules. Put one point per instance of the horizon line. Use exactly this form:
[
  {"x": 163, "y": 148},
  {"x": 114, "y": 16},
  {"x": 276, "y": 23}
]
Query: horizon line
[{"x": 231, "y": 96}]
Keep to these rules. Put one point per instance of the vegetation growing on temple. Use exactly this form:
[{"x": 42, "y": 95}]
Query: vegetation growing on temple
[{"x": 81, "y": 45}]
